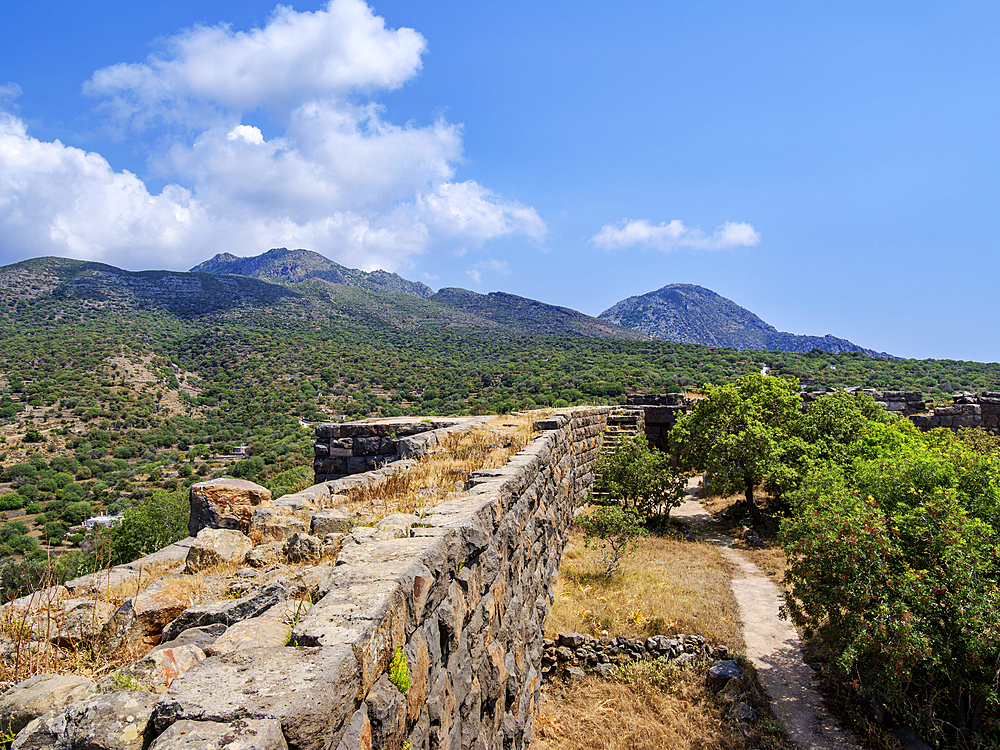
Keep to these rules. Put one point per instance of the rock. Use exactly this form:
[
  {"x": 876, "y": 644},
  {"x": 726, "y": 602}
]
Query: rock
[
  {"x": 606, "y": 671},
  {"x": 228, "y": 610},
  {"x": 225, "y": 504},
  {"x": 573, "y": 674},
  {"x": 215, "y": 547},
  {"x": 155, "y": 671},
  {"x": 359, "y": 732},
  {"x": 261, "y": 632},
  {"x": 288, "y": 612},
  {"x": 398, "y": 524},
  {"x": 742, "y": 711},
  {"x": 564, "y": 654},
  {"x": 111, "y": 721},
  {"x": 685, "y": 660},
  {"x": 266, "y": 554},
  {"x": 202, "y": 637},
  {"x": 302, "y": 548},
  {"x": 274, "y": 524},
  {"x": 140, "y": 620},
  {"x": 311, "y": 691},
  {"x": 242, "y": 734},
  {"x": 570, "y": 640},
  {"x": 721, "y": 673},
  {"x": 331, "y": 521},
  {"x": 77, "y": 625},
  {"x": 31, "y": 698}
]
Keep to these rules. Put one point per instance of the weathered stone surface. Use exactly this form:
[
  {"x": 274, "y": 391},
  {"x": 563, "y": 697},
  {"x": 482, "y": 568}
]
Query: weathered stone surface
[
  {"x": 311, "y": 691},
  {"x": 303, "y": 548},
  {"x": 358, "y": 735},
  {"x": 275, "y": 524},
  {"x": 289, "y": 612},
  {"x": 75, "y": 623},
  {"x": 257, "y": 632},
  {"x": 721, "y": 673},
  {"x": 331, "y": 521},
  {"x": 113, "y": 721},
  {"x": 266, "y": 554},
  {"x": 399, "y": 524},
  {"x": 228, "y": 611},
  {"x": 225, "y": 504},
  {"x": 155, "y": 671},
  {"x": 31, "y": 698},
  {"x": 202, "y": 637},
  {"x": 215, "y": 547},
  {"x": 242, "y": 734},
  {"x": 139, "y": 621}
]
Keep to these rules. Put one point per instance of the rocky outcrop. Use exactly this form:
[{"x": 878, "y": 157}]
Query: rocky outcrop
[
  {"x": 217, "y": 547},
  {"x": 30, "y": 699},
  {"x": 225, "y": 504}
]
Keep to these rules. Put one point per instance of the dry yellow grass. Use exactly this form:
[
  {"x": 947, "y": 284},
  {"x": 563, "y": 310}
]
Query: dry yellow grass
[
  {"x": 442, "y": 472},
  {"x": 632, "y": 716},
  {"x": 668, "y": 586}
]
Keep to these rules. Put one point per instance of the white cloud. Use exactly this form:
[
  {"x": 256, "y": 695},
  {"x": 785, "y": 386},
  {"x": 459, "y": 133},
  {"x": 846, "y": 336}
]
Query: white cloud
[
  {"x": 339, "y": 179},
  {"x": 475, "y": 272},
  {"x": 668, "y": 236},
  {"x": 296, "y": 57}
]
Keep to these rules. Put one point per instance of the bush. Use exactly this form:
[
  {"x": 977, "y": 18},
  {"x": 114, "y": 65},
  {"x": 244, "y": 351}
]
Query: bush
[
  {"x": 893, "y": 564},
  {"x": 12, "y": 501},
  {"x": 613, "y": 530},
  {"x": 640, "y": 476}
]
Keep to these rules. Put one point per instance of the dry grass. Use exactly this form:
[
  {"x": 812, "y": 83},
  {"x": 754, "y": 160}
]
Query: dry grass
[
  {"x": 638, "y": 716},
  {"x": 667, "y": 587},
  {"x": 441, "y": 473}
]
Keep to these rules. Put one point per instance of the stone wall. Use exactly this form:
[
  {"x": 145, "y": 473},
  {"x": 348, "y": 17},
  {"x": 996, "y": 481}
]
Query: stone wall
[
  {"x": 342, "y": 449},
  {"x": 462, "y": 593},
  {"x": 967, "y": 410}
]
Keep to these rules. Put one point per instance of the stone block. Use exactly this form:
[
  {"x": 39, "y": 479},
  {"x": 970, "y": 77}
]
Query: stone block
[
  {"x": 257, "y": 632},
  {"x": 112, "y": 721},
  {"x": 327, "y": 430},
  {"x": 225, "y": 504},
  {"x": 331, "y": 521},
  {"x": 358, "y": 430},
  {"x": 241, "y": 734},
  {"x": 35, "y": 696},
  {"x": 156, "y": 670},
  {"x": 311, "y": 691},
  {"x": 217, "y": 546},
  {"x": 228, "y": 611}
]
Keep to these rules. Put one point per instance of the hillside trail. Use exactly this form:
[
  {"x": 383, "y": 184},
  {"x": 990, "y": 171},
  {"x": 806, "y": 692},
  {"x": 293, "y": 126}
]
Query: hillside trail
[{"x": 773, "y": 644}]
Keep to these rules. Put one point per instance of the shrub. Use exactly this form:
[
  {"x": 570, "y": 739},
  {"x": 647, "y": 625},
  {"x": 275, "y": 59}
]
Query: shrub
[
  {"x": 399, "y": 671},
  {"x": 613, "y": 530},
  {"x": 639, "y": 476}
]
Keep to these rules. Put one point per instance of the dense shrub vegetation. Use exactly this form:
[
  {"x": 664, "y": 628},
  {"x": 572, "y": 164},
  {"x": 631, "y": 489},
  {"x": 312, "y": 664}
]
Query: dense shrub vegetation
[{"x": 892, "y": 537}]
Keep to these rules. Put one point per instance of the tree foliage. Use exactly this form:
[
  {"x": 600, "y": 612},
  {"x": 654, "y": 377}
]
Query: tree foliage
[
  {"x": 613, "y": 530},
  {"x": 639, "y": 476}
]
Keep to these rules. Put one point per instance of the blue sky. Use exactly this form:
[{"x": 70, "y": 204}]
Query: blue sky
[{"x": 830, "y": 167}]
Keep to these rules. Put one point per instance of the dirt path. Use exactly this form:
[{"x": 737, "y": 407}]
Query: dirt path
[{"x": 773, "y": 646}]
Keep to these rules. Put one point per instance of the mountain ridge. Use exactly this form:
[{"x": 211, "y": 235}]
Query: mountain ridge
[
  {"x": 292, "y": 266},
  {"x": 691, "y": 314}
]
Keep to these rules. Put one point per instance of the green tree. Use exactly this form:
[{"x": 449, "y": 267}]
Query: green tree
[
  {"x": 151, "y": 525},
  {"x": 641, "y": 477},
  {"x": 615, "y": 532},
  {"x": 740, "y": 434}
]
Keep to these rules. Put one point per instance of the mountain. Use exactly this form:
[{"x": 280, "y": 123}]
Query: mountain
[
  {"x": 290, "y": 266},
  {"x": 100, "y": 286},
  {"x": 691, "y": 314},
  {"x": 531, "y": 316}
]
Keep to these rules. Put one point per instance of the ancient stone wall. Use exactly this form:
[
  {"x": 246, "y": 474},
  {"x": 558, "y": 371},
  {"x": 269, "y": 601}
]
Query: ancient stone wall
[
  {"x": 426, "y": 632},
  {"x": 342, "y": 449}
]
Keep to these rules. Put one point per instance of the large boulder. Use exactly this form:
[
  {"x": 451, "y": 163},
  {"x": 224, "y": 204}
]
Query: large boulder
[
  {"x": 110, "y": 721},
  {"x": 225, "y": 504},
  {"x": 31, "y": 698},
  {"x": 242, "y": 734},
  {"x": 216, "y": 547},
  {"x": 311, "y": 691},
  {"x": 275, "y": 524}
]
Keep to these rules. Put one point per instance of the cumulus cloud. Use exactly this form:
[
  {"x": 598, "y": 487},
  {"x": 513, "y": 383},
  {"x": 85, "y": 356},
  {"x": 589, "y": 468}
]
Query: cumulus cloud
[
  {"x": 339, "y": 178},
  {"x": 296, "y": 57},
  {"x": 675, "y": 234}
]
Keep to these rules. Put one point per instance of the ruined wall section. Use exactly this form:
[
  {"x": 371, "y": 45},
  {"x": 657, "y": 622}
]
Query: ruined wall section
[{"x": 463, "y": 595}]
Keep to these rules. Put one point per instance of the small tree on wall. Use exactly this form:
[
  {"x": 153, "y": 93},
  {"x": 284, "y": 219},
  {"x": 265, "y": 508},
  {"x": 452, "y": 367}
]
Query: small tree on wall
[{"x": 640, "y": 477}]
